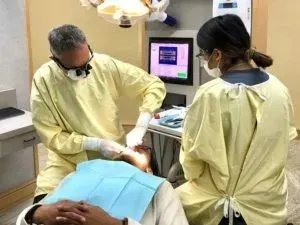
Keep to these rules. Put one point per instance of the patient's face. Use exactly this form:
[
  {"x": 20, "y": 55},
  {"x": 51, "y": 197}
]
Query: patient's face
[{"x": 139, "y": 158}]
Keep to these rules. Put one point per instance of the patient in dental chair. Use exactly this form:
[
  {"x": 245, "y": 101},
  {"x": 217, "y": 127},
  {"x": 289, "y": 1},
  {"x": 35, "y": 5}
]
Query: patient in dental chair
[{"x": 104, "y": 192}]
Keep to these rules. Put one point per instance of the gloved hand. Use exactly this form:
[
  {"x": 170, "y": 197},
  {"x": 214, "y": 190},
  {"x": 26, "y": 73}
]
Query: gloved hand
[
  {"x": 110, "y": 149},
  {"x": 107, "y": 148},
  {"x": 135, "y": 136}
]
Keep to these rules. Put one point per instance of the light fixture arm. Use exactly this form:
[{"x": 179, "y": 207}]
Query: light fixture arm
[{"x": 154, "y": 10}]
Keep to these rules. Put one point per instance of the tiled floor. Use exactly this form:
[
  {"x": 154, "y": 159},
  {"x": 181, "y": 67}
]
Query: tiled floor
[{"x": 293, "y": 174}]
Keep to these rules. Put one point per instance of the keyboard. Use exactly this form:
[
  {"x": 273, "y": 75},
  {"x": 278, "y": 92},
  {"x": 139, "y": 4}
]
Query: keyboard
[{"x": 10, "y": 112}]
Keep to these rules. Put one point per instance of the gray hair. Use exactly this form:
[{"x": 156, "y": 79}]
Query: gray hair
[{"x": 65, "y": 38}]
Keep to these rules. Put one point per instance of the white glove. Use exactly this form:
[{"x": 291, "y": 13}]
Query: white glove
[
  {"x": 135, "y": 136},
  {"x": 110, "y": 149},
  {"x": 107, "y": 148}
]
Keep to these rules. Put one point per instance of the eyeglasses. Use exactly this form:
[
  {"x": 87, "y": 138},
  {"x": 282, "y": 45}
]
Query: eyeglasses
[
  {"x": 85, "y": 67},
  {"x": 202, "y": 53}
]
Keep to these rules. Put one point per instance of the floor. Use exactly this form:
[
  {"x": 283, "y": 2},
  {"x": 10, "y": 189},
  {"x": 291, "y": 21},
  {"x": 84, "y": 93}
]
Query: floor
[{"x": 293, "y": 174}]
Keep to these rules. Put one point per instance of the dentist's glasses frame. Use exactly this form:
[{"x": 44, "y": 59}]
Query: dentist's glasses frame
[{"x": 86, "y": 67}]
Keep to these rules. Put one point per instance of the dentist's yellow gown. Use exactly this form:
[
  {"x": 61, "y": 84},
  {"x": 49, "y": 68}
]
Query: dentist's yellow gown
[
  {"x": 65, "y": 111},
  {"x": 234, "y": 150}
]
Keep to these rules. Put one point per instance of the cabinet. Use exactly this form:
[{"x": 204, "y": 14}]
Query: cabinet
[{"x": 18, "y": 159}]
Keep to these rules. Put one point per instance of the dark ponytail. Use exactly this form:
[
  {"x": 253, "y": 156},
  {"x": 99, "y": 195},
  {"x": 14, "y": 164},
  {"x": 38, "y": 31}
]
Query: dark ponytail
[
  {"x": 229, "y": 34},
  {"x": 262, "y": 60}
]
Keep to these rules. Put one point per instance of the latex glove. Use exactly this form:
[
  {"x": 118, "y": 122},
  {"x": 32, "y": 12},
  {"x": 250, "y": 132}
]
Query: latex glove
[
  {"x": 110, "y": 149},
  {"x": 135, "y": 136},
  {"x": 107, "y": 148}
]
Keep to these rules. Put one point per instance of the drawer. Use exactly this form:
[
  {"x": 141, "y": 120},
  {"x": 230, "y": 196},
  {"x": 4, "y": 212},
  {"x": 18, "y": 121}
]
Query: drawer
[
  {"x": 11, "y": 145},
  {"x": 16, "y": 169}
]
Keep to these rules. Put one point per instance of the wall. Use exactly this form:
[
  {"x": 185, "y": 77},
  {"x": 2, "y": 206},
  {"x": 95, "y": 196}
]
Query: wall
[
  {"x": 124, "y": 44},
  {"x": 191, "y": 14},
  {"x": 283, "y": 46},
  {"x": 260, "y": 24},
  {"x": 13, "y": 54}
]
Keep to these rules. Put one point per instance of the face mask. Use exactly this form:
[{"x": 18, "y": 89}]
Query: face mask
[
  {"x": 216, "y": 72},
  {"x": 77, "y": 74}
]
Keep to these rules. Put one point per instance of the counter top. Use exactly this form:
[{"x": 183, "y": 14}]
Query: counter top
[{"x": 14, "y": 126}]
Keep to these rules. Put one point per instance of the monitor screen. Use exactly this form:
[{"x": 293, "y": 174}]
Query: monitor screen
[{"x": 171, "y": 59}]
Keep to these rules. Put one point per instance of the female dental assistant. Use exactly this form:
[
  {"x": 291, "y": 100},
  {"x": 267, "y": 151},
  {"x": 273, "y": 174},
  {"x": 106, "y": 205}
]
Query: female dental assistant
[{"x": 236, "y": 134}]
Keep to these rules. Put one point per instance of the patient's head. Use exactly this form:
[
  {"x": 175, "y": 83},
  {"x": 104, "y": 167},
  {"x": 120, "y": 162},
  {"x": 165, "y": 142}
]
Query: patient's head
[{"x": 140, "y": 158}]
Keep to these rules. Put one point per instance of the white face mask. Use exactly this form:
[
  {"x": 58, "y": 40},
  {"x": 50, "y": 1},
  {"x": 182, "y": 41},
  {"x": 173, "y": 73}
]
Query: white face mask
[
  {"x": 72, "y": 74},
  {"x": 215, "y": 72}
]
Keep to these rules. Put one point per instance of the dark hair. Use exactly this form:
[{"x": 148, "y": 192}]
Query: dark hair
[
  {"x": 229, "y": 34},
  {"x": 64, "y": 38}
]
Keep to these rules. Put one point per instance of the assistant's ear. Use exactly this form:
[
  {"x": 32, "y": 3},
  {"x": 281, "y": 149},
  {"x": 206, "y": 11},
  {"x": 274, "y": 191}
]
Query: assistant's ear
[{"x": 218, "y": 55}]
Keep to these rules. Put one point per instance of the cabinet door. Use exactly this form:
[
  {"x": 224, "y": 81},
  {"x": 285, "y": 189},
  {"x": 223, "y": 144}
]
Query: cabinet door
[{"x": 16, "y": 169}]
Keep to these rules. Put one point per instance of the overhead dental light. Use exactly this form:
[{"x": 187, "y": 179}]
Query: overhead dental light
[{"x": 126, "y": 13}]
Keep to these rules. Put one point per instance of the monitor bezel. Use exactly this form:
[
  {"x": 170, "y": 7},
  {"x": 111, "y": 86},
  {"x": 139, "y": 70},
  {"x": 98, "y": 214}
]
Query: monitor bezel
[{"x": 175, "y": 40}]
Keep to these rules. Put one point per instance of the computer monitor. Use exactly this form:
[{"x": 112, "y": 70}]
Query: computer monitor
[{"x": 171, "y": 59}]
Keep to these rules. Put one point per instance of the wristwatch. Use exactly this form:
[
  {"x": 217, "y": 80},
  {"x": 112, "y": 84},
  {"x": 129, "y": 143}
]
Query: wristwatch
[
  {"x": 30, "y": 213},
  {"x": 125, "y": 221}
]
